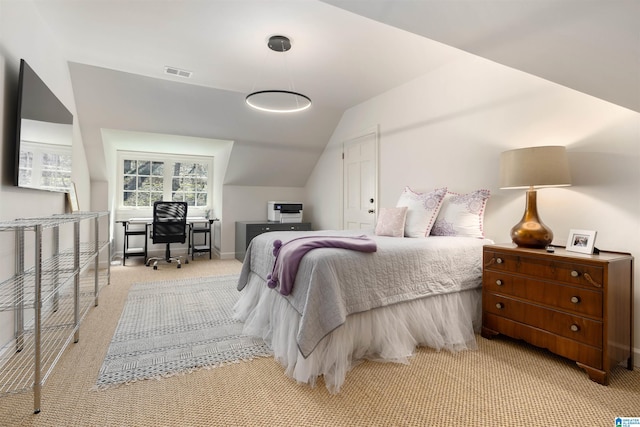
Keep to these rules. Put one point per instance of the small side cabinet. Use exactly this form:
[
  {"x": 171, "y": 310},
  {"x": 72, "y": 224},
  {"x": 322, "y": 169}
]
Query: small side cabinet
[
  {"x": 201, "y": 244},
  {"x": 579, "y": 306},
  {"x": 247, "y": 230},
  {"x": 134, "y": 229}
]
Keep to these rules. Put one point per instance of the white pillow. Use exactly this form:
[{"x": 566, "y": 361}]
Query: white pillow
[
  {"x": 391, "y": 222},
  {"x": 462, "y": 215},
  {"x": 422, "y": 212}
]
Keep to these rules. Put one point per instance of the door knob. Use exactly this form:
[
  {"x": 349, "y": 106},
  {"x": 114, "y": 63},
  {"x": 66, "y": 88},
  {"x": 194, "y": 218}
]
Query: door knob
[{"x": 371, "y": 211}]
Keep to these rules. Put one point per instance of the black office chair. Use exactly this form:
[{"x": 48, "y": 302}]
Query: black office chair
[{"x": 169, "y": 226}]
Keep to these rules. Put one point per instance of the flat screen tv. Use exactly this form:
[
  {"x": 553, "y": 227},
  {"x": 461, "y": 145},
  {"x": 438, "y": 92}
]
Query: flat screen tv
[{"x": 44, "y": 136}]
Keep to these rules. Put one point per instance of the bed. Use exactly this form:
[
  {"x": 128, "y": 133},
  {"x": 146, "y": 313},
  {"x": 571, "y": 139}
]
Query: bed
[{"x": 347, "y": 306}]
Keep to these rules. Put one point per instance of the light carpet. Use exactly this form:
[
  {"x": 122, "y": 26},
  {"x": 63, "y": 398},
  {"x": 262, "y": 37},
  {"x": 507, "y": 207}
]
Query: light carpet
[{"x": 175, "y": 327}]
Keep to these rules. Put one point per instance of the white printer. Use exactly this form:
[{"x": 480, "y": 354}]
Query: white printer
[{"x": 284, "y": 211}]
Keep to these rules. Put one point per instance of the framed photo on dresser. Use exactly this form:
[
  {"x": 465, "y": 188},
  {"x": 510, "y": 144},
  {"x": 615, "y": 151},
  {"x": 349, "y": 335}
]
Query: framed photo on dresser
[{"x": 581, "y": 241}]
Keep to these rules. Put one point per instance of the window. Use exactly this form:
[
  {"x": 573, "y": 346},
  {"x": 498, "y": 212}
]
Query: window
[{"x": 149, "y": 177}]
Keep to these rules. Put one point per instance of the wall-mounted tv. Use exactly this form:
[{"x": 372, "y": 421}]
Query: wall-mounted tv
[{"x": 44, "y": 136}]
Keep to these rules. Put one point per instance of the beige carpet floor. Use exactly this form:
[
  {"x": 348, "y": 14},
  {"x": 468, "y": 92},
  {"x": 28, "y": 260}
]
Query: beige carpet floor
[{"x": 504, "y": 383}]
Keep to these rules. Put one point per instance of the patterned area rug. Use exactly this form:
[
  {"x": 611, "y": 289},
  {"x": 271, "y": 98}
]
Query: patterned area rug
[{"x": 176, "y": 327}]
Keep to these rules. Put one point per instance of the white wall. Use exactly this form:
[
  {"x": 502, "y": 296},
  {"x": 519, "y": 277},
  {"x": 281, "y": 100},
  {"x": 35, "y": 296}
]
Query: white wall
[
  {"x": 24, "y": 35},
  {"x": 449, "y": 127},
  {"x": 243, "y": 203}
]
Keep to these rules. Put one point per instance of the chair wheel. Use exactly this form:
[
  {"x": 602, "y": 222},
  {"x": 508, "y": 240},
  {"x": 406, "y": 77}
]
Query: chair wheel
[
  {"x": 179, "y": 265},
  {"x": 186, "y": 261},
  {"x": 155, "y": 267}
]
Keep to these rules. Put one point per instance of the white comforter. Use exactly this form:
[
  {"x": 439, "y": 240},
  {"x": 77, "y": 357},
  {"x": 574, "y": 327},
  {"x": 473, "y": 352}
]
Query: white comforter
[{"x": 334, "y": 283}]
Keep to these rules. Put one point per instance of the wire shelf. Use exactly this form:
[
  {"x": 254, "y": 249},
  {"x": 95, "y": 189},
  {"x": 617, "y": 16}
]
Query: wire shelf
[
  {"x": 57, "y": 332},
  {"x": 61, "y": 286},
  {"x": 55, "y": 273}
]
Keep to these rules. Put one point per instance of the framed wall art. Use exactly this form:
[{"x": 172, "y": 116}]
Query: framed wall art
[{"x": 73, "y": 198}]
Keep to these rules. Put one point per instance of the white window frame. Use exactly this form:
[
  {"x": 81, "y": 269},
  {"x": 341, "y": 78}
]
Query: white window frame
[{"x": 169, "y": 160}]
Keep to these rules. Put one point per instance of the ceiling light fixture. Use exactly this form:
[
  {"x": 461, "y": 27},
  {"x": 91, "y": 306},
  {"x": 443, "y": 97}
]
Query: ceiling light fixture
[{"x": 277, "y": 100}]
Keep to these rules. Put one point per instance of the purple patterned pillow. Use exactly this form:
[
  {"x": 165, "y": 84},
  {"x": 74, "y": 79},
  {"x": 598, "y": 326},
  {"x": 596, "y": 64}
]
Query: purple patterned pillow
[
  {"x": 391, "y": 222},
  {"x": 422, "y": 212},
  {"x": 462, "y": 215}
]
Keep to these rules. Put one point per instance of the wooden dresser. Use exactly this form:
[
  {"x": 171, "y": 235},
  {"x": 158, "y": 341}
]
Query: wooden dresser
[{"x": 576, "y": 305}]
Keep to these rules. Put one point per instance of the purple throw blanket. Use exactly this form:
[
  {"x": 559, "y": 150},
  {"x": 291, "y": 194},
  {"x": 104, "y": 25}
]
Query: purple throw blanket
[{"x": 288, "y": 256}]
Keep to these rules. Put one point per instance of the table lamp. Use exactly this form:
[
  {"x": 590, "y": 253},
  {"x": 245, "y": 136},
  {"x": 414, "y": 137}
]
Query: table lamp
[{"x": 532, "y": 168}]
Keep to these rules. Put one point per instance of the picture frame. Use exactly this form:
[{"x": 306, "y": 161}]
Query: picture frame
[
  {"x": 581, "y": 241},
  {"x": 72, "y": 196}
]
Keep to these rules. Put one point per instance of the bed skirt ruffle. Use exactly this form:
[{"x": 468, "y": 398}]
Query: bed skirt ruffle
[{"x": 389, "y": 334}]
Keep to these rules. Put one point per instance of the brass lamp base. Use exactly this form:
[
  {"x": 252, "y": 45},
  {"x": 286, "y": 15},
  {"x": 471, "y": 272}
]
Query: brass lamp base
[{"x": 530, "y": 232}]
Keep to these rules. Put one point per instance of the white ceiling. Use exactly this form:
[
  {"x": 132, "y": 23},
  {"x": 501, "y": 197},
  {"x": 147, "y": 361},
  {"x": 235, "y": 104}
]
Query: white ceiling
[
  {"x": 118, "y": 50},
  {"x": 337, "y": 58},
  {"x": 592, "y": 46}
]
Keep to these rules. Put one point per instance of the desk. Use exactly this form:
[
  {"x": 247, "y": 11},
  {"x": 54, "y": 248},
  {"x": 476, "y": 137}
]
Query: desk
[{"x": 140, "y": 226}]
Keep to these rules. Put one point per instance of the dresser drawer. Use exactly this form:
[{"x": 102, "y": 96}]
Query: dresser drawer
[
  {"x": 264, "y": 228},
  {"x": 577, "y": 328},
  {"x": 247, "y": 230},
  {"x": 590, "y": 276},
  {"x": 589, "y": 355},
  {"x": 576, "y": 299}
]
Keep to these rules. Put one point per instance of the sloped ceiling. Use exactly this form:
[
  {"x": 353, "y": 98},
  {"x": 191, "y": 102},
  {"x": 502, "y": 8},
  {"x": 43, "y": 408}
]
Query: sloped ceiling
[
  {"x": 344, "y": 52},
  {"x": 264, "y": 144},
  {"x": 590, "y": 46},
  {"x": 339, "y": 59}
]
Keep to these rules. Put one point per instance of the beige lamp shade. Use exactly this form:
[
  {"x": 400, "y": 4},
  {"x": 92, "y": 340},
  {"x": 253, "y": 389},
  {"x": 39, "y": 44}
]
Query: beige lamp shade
[
  {"x": 534, "y": 167},
  {"x": 529, "y": 168}
]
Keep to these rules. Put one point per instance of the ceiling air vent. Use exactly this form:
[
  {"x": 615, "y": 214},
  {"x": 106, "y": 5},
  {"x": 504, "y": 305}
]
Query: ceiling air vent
[{"x": 173, "y": 71}]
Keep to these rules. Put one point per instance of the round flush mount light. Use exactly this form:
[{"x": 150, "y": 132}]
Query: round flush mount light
[{"x": 278, "y": 100}]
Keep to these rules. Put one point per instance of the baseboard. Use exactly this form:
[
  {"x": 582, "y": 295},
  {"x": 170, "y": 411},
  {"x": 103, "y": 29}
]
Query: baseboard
[
  {"x": 636, "y": 358},
  {"x": 227, "y": 255},
  {"x": 102, "y": 264}
]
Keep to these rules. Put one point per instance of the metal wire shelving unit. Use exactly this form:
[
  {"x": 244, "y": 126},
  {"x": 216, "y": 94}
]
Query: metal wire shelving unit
[{"x": 51, "y": 291}]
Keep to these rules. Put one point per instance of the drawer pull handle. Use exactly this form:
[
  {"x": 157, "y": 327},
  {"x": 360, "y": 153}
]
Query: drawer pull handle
[
  {"x": 499, "y": 282},
  {"x": 575, "y": 328},
  {"x": 575, "y": 299},
  {"x": 587, "y": 277},
  {"x": 293, "y": 227},
  {"x": 499, "y": 261},
  {"x": 499, "y": 306},
  {"x": 267, "y": 228},
  {"x": 590, "y": 280}
]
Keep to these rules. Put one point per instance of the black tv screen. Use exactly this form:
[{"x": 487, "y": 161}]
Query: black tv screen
[{"x": 44, "y": 136}]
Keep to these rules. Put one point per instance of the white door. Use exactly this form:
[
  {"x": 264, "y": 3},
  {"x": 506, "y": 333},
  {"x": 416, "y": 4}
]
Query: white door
[{"x": 360, "y": 178}]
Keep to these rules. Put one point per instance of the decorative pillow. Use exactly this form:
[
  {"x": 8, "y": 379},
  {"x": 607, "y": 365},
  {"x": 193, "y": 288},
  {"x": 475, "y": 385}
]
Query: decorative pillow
[
  {"x": 391, "y": 222},
  {"x": 422, "y": 212},
  {"x": 462, "y": 215}
]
